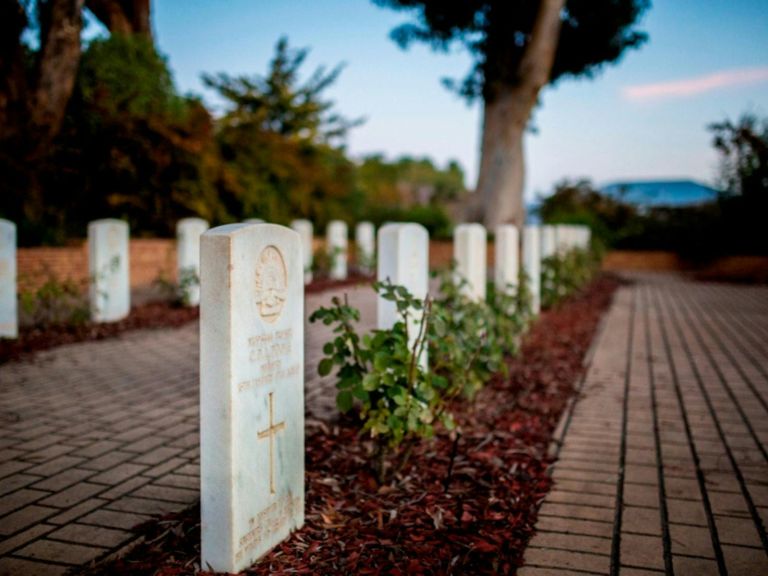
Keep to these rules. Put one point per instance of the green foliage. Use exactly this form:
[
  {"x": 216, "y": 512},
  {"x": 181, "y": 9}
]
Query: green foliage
[
  {"x": 731, "y": 225},
  {"x": 55, "y": 302},
  {"x": 125, "y": 76},
  {"x": 469, "y": 339},
  {"x": 276, "y": 143},
  {"x": 497, "y": 33},
  {"x": 564, "y": 273},
  {"x": 379, "y": 371}
]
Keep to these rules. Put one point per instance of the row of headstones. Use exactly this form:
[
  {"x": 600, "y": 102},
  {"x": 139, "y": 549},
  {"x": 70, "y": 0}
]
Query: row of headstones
[
  {"x": 108, "y": 269},
  {"x": 252, "y": 363}
]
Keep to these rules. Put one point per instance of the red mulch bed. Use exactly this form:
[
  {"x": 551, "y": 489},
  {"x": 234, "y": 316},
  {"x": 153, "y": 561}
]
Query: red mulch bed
[
  {"x": 152, "y": 315},
  {"x": 474, "y": 516}
]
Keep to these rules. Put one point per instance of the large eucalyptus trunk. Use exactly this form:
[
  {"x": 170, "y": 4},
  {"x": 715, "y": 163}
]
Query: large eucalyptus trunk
[{"x": 508, "y": 106}]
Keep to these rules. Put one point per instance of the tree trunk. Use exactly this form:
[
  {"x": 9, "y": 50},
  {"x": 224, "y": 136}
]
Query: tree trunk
[
  {"x": 57, "y": 65},
  {"x": 507, "y": 110},
  {"x": 123, "y": 16}
]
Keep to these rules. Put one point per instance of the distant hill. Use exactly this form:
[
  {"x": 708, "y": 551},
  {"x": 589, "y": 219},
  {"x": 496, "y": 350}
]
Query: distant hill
[{"x": 661, "y": 193}]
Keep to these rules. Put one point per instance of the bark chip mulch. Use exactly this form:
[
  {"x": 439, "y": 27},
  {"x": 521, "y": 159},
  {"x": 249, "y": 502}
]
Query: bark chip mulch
[
  {"x": 465, "y": 504},
  {"x": 150, "y": 315}
]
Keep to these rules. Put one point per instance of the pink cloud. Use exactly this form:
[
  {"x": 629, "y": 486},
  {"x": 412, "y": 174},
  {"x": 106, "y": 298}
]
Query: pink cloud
[{"x": 694, "y": 86}]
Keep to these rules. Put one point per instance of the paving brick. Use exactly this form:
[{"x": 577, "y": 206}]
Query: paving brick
[
  {"x": 686, "y": 512},
  {"x": 548, "y": 558},
  {"x": 742, "y": 560},
  {"x": 119, "y": 473},
  {"x": 172, "y": 464},
  {"x": 91, "y": 535},
  {"x": 642, "y": 551},
  {"x": 179, "y": 481},
  {"x": 158, "y": 455},
  {"x": 143, "y": 505},
  {"x": 637, "y": 474},
  {"x": 73, "y": 495},
  {"x": 16, "y": 567},
  {"x": 114, "y": 519},
  {"x": 641, "y": 520},
  {"x": 63, "y": 552},
  {"x": 55, "y": 466},
  {"x": 11, "y": 466},
  {"x": 97, "y": 448},
  {"x": 597, "y": 500},
  {"x": 696, "y": 566},
  {"x": 107, "y": 461},
  {"x": 575, "y": 526},
  {"x": 691, "y": 541},
  {"x": 19, "y": 499},
  {"x": 64, "y": 479},
  {"x": 23, "y": 518},
  {"x": 575, "y": 511},
  {"x": 168, "y": 493},
  {"x": 22, "y": 538},
  {"x": 739, "y": 531},
  {"x": 579, "y": 542},
  {"x": 641, "y": 495},
  {"x": 16, "y": 481},
  {"x": 77, "y": 510}
]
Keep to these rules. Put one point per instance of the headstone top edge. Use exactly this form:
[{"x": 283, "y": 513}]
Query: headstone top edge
[
  {"x": 103, "y": 221},
  {"x": 241, "y": 228},
  {"x": 7, "y": 223}
]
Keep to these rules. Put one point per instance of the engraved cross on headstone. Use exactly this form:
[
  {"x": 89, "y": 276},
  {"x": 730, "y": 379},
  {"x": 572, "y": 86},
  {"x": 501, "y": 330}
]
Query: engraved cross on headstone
[{"x": 270, "y": 433}]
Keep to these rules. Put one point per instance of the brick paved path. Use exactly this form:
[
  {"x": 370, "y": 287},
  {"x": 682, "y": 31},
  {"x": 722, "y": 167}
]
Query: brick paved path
[
  {"x": 94, "y": 437},
  {"x": 673, "y": 426}
]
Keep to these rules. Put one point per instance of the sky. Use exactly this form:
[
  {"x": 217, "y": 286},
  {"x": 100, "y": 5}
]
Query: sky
[{"x": 645, "y": 118}]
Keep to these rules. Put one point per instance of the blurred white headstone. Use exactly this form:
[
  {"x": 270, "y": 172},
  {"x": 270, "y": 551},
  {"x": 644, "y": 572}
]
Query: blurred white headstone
[
  {"x": 9, "y": 318},
  {"x": 532, "y": 264},
  {"x": 188, "y": 232},
  {"x": 365, "y": 244},
  {"x": 507, "y": 258},
  {"x": 336, "y": 245},
  {"x": 403, "y": 259},
  {"x": 306, "y": 233},
  {"x": 110, "y": 290},
  {"x": 469, "y": 252}
]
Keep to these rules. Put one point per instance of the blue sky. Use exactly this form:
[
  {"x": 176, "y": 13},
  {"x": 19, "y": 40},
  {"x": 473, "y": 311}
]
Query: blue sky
[{"x": 645, "y": 118}]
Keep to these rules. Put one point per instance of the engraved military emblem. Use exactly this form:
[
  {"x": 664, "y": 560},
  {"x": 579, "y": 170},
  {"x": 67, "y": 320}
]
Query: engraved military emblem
[{"x": 271, "y": 284}]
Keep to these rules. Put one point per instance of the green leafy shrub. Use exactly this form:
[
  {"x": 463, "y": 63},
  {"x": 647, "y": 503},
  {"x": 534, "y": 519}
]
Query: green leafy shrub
[
  {"x": 562, "y": 274},
  {"x": 55, "y": 302},
  {"x": 379, "y": 373}
]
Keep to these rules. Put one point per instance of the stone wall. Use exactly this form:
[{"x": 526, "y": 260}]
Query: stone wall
[{"x": 150, "y": 259}]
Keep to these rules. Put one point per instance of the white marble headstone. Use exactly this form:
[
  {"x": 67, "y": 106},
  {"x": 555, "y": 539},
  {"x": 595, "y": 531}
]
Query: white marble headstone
[
  {"x": 251, "y": 392},
  {"x": 188, "y": 232},
  {"x": 532, "y": 265},
  {"x": 9, "y": 319},
  {"x": 548, "y": 241},
  {"x": 507, "y": 258},
  {"x": 336, "y": 245},
  {"x": 403, "y": 259},
  {"x": 254, "y": 221},
  {"x": 365, "y": 245},
  {"x": 110, "y": 290},
  {"x": 469, "y": 252},
  {"x": 306, "y": 233}
]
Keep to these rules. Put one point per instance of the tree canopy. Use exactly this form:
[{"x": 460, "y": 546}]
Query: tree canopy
[{"x": 497, "y": 33}]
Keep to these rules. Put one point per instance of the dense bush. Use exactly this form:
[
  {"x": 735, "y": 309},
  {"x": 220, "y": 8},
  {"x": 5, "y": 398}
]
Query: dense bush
[
  {"x": 379, "y": 374},
  {"x": 132, "y": 147},
  {"x": 733, "y": 224}
]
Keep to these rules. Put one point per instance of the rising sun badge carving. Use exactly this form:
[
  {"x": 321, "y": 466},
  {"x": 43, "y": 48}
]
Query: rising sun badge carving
[{"x": 271, "y": 284}]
